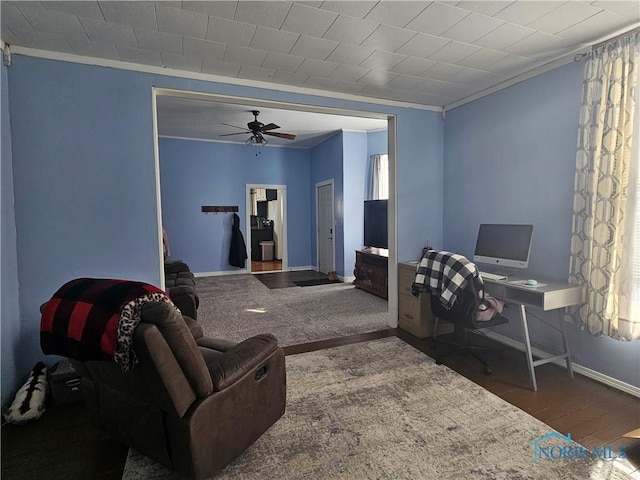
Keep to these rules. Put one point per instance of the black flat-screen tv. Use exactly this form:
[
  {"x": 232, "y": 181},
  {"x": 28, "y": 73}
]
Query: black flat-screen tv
[{"x": 375, "y": 224}]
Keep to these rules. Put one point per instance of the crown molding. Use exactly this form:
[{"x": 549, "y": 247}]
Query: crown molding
[{"x": 103, "y": 62}]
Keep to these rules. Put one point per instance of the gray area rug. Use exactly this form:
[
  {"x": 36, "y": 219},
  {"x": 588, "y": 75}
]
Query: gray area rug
[
  {"x": 383, "y": 410},
  {"x": 237, "y": 307}
]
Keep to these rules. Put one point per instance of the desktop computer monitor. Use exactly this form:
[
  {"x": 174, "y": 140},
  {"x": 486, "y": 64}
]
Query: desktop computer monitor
[{"x": 503, "y": 245}]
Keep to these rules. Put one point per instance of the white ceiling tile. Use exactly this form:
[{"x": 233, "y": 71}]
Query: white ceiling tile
[
  {"x": 593, "y": 28},
  {"x": 357, "y": 9},
  {"x": 316, "y": 68},
  {"x": 181, "y": 62},
  {"x": 288, "y": 78},
  {"x": 421, "y": 46},
  {"x": 349, "y": 54},
  {"x": 81, "y": 9},
  {"x": 388, "y": 38},
  {"x": 158, "y": 41},
  {"x": 564, "y": 17},
  {"x": 437, "y": 18},
  {"x": 396, "y": 13},
  {"x": 380, "y": 60},
  {"x": 511, "y": 63},
  {"x": 503, "y": 36},
  {"x": 13, "y": 17},
  {"x": 282, "y": 61},
  {"x": 265, "y": 14},
  {"x": 308, "y": 21},
  {"x": 94, "y": 49},
  {"x": 523, "y": 13},
  {"x": 412, "y": 66},
  {"x": 489, "y": 7},
  {"x": 100, "y": 31},
  {"x": 534, "y": 44},
  {"x": 405, "y": 82},
  {"x": 44, "y": 41},
  {"x": 52, "y": 22},
  {"x": 224, "y": 9},
  {"x": 482, "y": 58},
  {"x": 311, "y": 3},
  {"x": 441, "y": 71},
  {"x": 228, "y": 31},
  {"x": 350, "y": 30},
  {"x": 223, "y": 69},
  {"x": 322, "y": 83},
  {"x": 473, "y": 76},
  {"x": 348, "y": 87},
  {"x": 182, "y": 22},
  {"x": 313, "y": 47},
  {"x": 453, "y": 51},
  {"x": 378, "y": 77},
  {"x": 205, "y": 49},
  {"x": 256, "y": 73},
  {"x": 9, "y": 37},
  {"x": 348, "y": 73},
  {"x": 244, "y": 55},
  {"x": 472, "y": 27},
  {"x": 274, "y": 40},
  {"x": 619, "y": 7},
  {"x": 136, "y": 55},
  {"x": 136, "y": 14}
]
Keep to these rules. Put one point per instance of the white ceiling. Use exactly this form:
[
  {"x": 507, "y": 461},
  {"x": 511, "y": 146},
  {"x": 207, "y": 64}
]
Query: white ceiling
[{"x": 421, "y": 52}]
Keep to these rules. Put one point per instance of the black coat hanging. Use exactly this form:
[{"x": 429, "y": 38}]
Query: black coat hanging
[{"x": 237, "y": 249}]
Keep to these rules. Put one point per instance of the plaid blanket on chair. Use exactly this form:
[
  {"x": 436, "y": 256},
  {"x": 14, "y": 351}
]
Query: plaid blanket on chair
[
  {"x": 445, "y": 274},
  {"x": 94, "y": 319}
]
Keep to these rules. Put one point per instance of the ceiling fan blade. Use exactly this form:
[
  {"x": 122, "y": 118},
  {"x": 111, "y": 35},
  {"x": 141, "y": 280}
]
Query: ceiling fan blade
[
  {"x": 288, "y": 136},
  {"x": 270, "y": 126},
  {"x": 227, "y": 134},
  {"x": 234, "y": 126}
]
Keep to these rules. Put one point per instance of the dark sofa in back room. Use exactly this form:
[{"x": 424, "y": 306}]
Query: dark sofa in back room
[{"x": 180, "y": 285}]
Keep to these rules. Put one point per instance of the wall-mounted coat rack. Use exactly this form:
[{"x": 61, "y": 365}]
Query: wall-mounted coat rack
[{"x": 219, "y": 209}]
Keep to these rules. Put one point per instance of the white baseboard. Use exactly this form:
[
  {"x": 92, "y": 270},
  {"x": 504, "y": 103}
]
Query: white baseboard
[
  {"x": 587, "y": 372},
  {"x": 298, "y": 269},
  {"x": 347, "y": 279}
]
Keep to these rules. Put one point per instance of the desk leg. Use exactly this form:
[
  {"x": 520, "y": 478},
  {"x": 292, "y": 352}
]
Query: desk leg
[
  {"x": 565, "y": 342},
  {"x": 527, "y": 346}
]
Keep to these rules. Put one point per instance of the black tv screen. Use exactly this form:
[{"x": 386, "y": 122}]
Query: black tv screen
[{"x": 375, "y": 224}]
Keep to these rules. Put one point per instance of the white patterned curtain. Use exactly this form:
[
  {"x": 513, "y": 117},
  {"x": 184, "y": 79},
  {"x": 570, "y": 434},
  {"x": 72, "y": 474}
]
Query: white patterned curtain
[
  {"x": 605, "y": 243},
  {"x": 379, "y": 181}
]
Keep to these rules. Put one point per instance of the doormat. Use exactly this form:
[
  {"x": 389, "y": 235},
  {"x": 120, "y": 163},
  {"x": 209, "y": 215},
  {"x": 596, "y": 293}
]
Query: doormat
[{"x": 315, "y": 281}]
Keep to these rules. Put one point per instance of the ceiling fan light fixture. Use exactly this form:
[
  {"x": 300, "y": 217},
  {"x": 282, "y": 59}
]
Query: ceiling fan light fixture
[{"x": 256, "y": 140}]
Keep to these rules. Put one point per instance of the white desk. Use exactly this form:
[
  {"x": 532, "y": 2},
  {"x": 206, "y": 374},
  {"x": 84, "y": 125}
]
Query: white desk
[{"x": 551, "y": 296}]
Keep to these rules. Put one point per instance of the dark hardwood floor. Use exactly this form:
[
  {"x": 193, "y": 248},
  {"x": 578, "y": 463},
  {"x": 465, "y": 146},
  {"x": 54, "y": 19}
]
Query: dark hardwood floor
[{"x": 64, "y": 445}]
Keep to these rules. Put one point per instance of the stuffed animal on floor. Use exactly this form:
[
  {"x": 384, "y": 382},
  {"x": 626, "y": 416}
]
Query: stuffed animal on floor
[{"x": 29, "y": 403}]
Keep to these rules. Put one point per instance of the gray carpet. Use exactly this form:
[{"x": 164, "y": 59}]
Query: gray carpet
[
  {"x": 383, "y": 410},
  {"x": 237, "y": 307}
]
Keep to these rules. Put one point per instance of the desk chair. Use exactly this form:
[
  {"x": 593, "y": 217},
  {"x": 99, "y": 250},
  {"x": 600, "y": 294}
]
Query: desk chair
[
  {"x": 456, "y": 290},
  {"x": 462, "y": 316}
]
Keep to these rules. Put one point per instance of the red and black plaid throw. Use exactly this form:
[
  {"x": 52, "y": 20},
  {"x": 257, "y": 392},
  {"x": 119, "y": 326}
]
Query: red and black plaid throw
[{"x": 81, "y": 319}]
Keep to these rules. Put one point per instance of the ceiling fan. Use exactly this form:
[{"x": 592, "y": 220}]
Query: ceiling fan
[{"x": 258, "y": 130}]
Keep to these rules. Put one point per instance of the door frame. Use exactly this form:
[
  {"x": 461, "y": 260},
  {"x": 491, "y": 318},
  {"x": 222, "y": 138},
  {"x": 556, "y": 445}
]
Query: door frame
[
  {"x": 333, "y": 224},
  {"x": 280, "y": 188}
]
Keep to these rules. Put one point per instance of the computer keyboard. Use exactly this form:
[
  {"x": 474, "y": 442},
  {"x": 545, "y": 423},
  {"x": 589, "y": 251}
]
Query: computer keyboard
[{"x": 492, "y": 276}]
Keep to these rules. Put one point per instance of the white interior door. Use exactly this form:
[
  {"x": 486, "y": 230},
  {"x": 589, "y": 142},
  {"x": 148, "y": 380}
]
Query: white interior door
[{"x": 325, "y": 223}]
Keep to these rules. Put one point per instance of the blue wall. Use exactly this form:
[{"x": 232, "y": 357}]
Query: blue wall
[
  {"x": 9, "y": 303},
  {"x": 84, "y": 184},
  {"x": 510, "y": 158},
  {"x": 327, "y": 164},
  {"x": 194, "y": 173},
  {"x": 354, "y": 151}
]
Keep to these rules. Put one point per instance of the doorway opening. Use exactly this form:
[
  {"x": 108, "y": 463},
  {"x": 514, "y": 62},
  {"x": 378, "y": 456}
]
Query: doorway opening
[
  {"x": 325, "y": 221},
  {"x": 266, "y": 228}
]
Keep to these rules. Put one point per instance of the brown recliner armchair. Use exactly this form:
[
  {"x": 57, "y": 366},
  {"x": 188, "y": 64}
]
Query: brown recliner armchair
[{"x": 192, "y": 403}]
